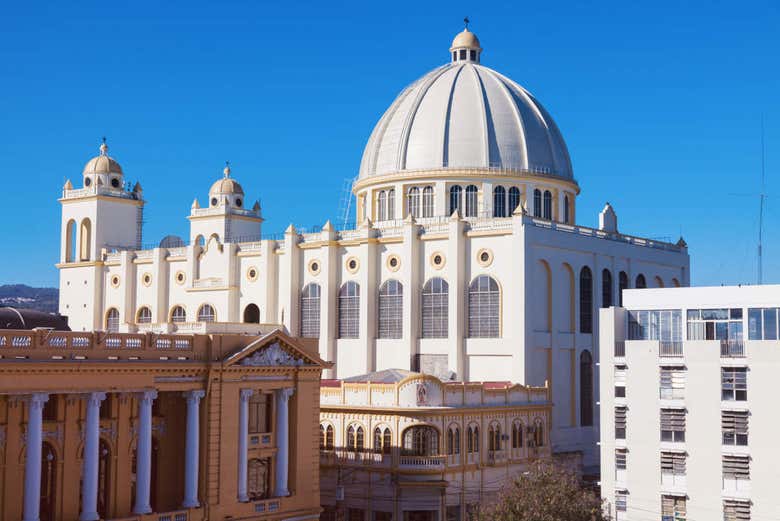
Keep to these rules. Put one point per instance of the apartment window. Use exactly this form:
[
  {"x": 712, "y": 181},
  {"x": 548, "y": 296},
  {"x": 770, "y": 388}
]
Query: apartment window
[
  {"x": 736, "y": 510},
  {"x": 672, "y": 383},
  {"x": 620, "y": 422},
  {"x": 733, "y": 382},
  {"x": 734, "y": 425},
  {"x": 762, "y": 323},
  {"x": 664, "y": 325},
  {"x": 621, "y": 501},
  {"x": 673, "y": 425},
  {"x": 620, "y": 381},
  {"x": 715, "y": 324},
  {"x": 621, "y": 456},
  {"x": 673, "y": 463},
  {"x": 673, "y": 508},
  {"x": 736, "y": 467}
]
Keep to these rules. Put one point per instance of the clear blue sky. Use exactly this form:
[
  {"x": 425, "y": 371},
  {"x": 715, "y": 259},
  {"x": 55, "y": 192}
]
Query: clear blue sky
[{"x": 660, "y": 105}]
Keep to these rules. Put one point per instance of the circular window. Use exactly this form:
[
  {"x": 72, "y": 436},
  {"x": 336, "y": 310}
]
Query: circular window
[
  {"x": 238, "y": 202},
  {"x": 115, "y": 182},
  {"x": 314, "y": 267},
  {"x": 438, "y": 260},
  {"x": 147, "y": 279},
  {"x": 393, "y": 263},
  {"x": 115, "y": 281},
  {"x": 352, "y": 265},
  {"x": 251, "y": 273},
  {"x": 214, "y": 201},
  {"x": 87, "y": 181},
  {"x": 180, "y": 277},
  {"x": 485, "y": 257}
]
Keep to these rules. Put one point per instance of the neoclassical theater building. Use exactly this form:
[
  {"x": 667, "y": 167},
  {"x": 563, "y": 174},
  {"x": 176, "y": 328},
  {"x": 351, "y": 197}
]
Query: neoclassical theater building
[{"x": 467, "y": 260}]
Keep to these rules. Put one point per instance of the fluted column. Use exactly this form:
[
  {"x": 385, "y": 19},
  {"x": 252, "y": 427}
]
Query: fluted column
[
  {"x": 192, "y": 449},
  {"x": 89, "y": 480},
  {"x": 283, "y": 440},
  {"x": 143, "y": 479},
  {"x": 32, "y": 463},
  {"x": 243, "y": 445}
]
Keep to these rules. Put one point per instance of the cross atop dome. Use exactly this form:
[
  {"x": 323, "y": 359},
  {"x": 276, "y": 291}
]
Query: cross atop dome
[
  {"x": 465, "y": 47},
  {"x": 226, "y": 171},
  {"x": 104, "y": 147}
]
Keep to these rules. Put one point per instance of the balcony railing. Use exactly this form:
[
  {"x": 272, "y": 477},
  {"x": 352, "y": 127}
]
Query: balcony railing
[
  {"x": 732, "y": 348},
  {"x": 620, "y": 348},
  {"x": 423, "y": 462},
  {"x": 177, "y": 515},
  {"x": 670, "y": 348}
]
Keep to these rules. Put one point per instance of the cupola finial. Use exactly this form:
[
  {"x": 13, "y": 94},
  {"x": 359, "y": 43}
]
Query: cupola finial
[
  {"x": 466, "y": 22},
  {"x": 103, "y": 147},
  {"x": 226, "y": 171}
]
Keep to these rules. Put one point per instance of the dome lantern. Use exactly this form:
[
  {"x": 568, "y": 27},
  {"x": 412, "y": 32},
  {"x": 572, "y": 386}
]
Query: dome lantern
[
  {"x": 103, "y": 170},
  {"x": 465, "y": 46}
]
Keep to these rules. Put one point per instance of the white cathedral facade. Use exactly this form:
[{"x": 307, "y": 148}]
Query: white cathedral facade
[{"x": 466, "y": 262}]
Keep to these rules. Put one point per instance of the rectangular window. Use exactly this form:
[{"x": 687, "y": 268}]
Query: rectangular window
[
  {"x": 621, "y": 501},
  {"x": 734, "y": 425},
  {"x": 260, "y": 406},
  {"x": 736, "y": 467},
  {"x": 672, "y": 383},
  {"x": 621, "y": 459},
  {"x": 664, "y": 325},
  {"x": 673, "y": 508},
  {"x": 620, "y": 381},
  {"x": 715, "y": 324},
  {"x": 673, "y": 425},
  {"x": 762, "y": 323},
  {"x": 736, "y": 510},
  {"x": 673, "y": 463},
  {"x": 620, "y": 422},
  {"x": 733, "y": 383}
]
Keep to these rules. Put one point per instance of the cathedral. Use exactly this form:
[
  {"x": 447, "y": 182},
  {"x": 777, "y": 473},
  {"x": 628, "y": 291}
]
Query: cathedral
[{"x": 466, "y": 262}]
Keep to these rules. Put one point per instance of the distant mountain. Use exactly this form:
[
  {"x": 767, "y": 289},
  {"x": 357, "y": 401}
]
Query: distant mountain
[{"x": 22, "y": 296}]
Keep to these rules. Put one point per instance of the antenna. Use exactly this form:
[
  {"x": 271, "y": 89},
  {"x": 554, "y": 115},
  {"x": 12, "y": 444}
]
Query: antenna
[{"x": 761, "y": 198}]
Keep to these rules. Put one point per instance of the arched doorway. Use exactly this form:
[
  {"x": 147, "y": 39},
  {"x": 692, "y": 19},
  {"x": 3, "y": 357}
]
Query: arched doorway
[
  {"x": 104, "y": 479},
  {"x": 48, "y": 501},
  {"x": 252, "y": 314}
]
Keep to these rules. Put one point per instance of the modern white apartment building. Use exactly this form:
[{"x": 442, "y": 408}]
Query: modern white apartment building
[{"x": 689, "y": 414}]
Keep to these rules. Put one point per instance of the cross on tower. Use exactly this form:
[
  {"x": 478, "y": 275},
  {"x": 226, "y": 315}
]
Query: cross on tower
[{"x": 466, "y": 21}]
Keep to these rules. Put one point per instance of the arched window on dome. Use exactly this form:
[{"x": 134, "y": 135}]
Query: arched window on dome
[
  {"x": 381, "y": 213},
  {"x": 144, "y": 315},
  {"x": 514, "y": 199},
  {"x": 456, "y": 193},
  {"x": 586, "y": 300},
  {"x": 112, "y": 320},
  {"x": 537, "y": 203},
  {"x": 606, "y": 288},
  {"x": 566, "y": 209},
  {"x": 435, "y": 308},
  {"x": 547, "y": 204},
  {"x": 349, "y": 310},
  {"x": 622, "y": 284},
  {"x": 427, "y": 209},
  {"x": 391, "y": 204},
  {"x": 390, "y": 309},
  {"x": 586, "y": 389},
  {"x": 472, "y": 203},
  {"x": 484, "y": 307},
  {"x": 641, "y": 283},
  {"x": 206, "y": 313},
  {"x": 310, "y": 311},
  {"x": 499, "y": 201},
  {"x": 413, "y": 202}
]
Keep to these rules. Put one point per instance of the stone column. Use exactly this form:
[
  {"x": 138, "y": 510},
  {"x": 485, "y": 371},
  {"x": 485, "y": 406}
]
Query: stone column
[
  {"x": 32, "y": 463},
  {"x": 283, "y": 440},
  {"x": 89, "y": 481},
  {"x": 143, "y": 475},
  {"x": 192, "y": 449},
  {"x": 243, "y": 442}
]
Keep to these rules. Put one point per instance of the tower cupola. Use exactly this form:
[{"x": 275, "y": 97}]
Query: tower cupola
[
  {"x": 103, "y": 170},
  {"x": 465, "y": 47}
]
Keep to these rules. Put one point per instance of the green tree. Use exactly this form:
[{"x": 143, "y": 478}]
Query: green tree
[{"x": 544, "y": 493}]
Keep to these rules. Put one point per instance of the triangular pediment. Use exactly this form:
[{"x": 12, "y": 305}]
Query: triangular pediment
[{"x": 275, "y": 349}]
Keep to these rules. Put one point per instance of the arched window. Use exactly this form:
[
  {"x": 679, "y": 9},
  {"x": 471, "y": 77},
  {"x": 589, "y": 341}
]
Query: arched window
[
  {"x": 472, "y": 203},
  {"x": 641, "y": 283},
  {"x": 456, "y": 193},
  {"x": 70, "y": 241},
  {"x": 547, "y": 204},
  {"x": 435, "y": 308},
  {"x": 349, "y": 310},
  {"x": 566, "y": 209},
  {"x": 413, "y": 202},
  {"x": 484, "y": 307},
  {"x": 85, "y": 240},
  {"x": 538, "y": 433},
  {"x": 499, "y": 201},
  {"x": 421, "y": 440},
  {"x": 178, "y": 314},
  {"x": 659, "y": 282},
  {"x": 382, "y": 440},
  {"x": 381, "y": 213},
  {"x": 144, "y": 315},
  {"x": 329, "y": 437},
  {"x": 112, "y": 320},
  {"x": 494, "y": 437},
  {"x": 537, "y": 203},
  {"x": 206, "y": 313},
  {"x": 469, "y": 440},
  {"x": 322, "y": 436},
  {"x": 517, "y": 435},
  {"x": 200, "y": 241},
  {"x": 355, "y": 438},
  {"x": 675, "y": 283},
  {"x": 457, "y": 440},
  {"x": 606, "y": 288},
  {"x": 427, "y": 202},
  {"x": 258, "y": 478},
  {"x": 252, "y": 314},
  {"x": 586, "y": 389},
  {"x": 310, "y": 311},
  {"x": 450, "y": 442},
  {"x": 622, "y": 284},
  {"x": 586, "y": 300},
  {"x": 391, "y": 204},
  {"x": 390, "y": 309},
  {"x": 514, "y": 199},
  {"x": 475, "y": 435}
]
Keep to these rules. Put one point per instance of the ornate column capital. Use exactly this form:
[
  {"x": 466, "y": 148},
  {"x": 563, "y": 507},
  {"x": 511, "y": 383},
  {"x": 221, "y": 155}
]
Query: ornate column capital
[
  {"x": 194, "y": 396},
  {"x": 94, "y": 399},
  {"x": 246, "y": 394},
  {"x": 286, "y": 393},
  {"x": 148, "y": 396},
  {"x": 37, "y": 400}
]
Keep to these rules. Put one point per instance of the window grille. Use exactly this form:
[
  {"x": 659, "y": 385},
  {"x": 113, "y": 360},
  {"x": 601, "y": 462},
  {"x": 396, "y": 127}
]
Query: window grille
[
  {"x": 427, "y": 209},
  {"x": 456, "y": 193},
  {"x": 499, "y": 201},
  {"x": 736, "y": 467},
  {"x": 391, "y": 309},
  {"x": 733, "y": 383},
  {"x": 673, "y": 463},
  {"x": 484, "y": 308},
  {"x": 736, "y": 510},
  {"x": 112, "y": 320},
  {"x": 621, "y": 456},
  {"x": 537, "y": 203},
  {"x": 762, "y": 323},
  {"x": 547, "y": 204},
  {"x": 413, "y": 202},
  {"x": 672, "y": 383},
  {"x": 620, "y": 422},
  {"x": 178, "y": 315},
  {"x": 620, "y": 381},
  {"x": 391, "y": 204},
  {"x": 435, "y": 308},
  {"x": 471, "y": 201},
  {"x": 349, "y": 310},
  {"x": 606, "y": 288},
  {"x": 514, "y": 200},
  {"x": 673, "y": 508},
  {"x": 673, "y": 425},
  {"x": 734, "y": 425},
  {"x": 144, "y": 315},
  {"x": 586, "y": 300},
  {"x": 206, "y": 313},
  {"x": 310, "y": 311}
]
